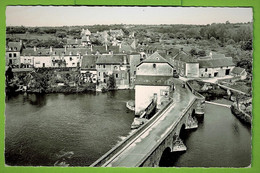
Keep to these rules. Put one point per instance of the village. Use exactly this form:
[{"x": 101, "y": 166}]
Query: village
[{"x": 82, "y": 65}]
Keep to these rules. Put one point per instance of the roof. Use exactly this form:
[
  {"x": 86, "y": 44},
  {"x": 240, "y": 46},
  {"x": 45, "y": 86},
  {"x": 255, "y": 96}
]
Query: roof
[
  {"x": 14, "y": 46},
  {"x": 219, "y": 62},
  {"x": 102, "y": 49},
  {"x": 155, "y": 58},
  {"x": 126, "y": 48},
  {"x": 153, "y": 80},
  {"x": 89, "y": 61},
  {"x": 112, "y": 59},
  {"x": 73, "y": 41},
  {"x": 182, "y": 56},
  {"x": 237, "y": 70}
]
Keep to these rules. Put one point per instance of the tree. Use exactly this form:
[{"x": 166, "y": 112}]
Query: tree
[
  {"x": 9, "y": 75},
  {"x": 201, "y": 53},
  {"x": 111, "y": 83},
  {"x": 193, "y": 52},
  {"x": 61, "y": 34}
]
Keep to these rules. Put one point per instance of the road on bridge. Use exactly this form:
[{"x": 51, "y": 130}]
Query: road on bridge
[{"x": 136, "y": 151}]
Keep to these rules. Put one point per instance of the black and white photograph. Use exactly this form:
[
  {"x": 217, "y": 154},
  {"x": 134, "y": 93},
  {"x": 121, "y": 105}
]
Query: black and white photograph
[{"x": 128, "y": 86}]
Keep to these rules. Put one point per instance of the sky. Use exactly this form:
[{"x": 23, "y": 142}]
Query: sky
[{"x": 86, "y": 15}]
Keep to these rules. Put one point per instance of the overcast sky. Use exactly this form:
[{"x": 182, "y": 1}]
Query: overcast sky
[{"x": 83, "y": 15}]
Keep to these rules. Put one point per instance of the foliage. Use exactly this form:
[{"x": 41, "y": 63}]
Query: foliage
[
  {"x": 111, "y": 83},
  {"x": 9, "y": 74}
]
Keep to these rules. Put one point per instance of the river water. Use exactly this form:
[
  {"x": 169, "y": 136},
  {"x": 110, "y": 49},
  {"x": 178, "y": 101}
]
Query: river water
[{"x": 77, "y": 129}]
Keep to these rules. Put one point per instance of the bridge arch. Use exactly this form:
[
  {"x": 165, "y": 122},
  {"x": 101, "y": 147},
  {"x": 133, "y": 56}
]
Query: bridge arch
[{"x": 165, "y": 158}]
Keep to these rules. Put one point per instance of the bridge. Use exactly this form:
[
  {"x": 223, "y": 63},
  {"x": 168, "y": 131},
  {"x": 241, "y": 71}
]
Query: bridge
[{"x": 146, "y": 146}]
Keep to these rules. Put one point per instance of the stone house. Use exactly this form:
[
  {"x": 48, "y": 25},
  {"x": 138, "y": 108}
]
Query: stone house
[
  {"x": 154, "y": 77},
  {"x": 88, "y": 68},
  {"x": 13, "y": 50},
  {"x": 149, "y": 87},
  {"x": 113, "y": 64},
  {"x": 239, "y": 72},
  {"x": 155, "y": 65},
  {"x": 215, "y": 66},
  {"x": 186, "y": 65}
]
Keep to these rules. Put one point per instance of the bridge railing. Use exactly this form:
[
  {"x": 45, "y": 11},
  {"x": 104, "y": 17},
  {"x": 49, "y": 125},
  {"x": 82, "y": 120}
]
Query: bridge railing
[
  {"x": 193, "y": 91},
  {"x": 102, "y": 160},
  {"x": 169, "y": 131}
]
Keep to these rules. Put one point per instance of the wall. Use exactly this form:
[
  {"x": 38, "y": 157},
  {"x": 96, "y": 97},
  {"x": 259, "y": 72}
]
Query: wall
[
  {"x": 144, "y": 95},
  {"x": 15, "y": 60},
  {"x": 133, "y": 61},
  {"x": 192, "y": 70},
  {"x": 42, "y": 61},
  {"x": 72, "y": 60},
  {"x": 161, "y": 69},
  {"x": 210, "y": 71}
]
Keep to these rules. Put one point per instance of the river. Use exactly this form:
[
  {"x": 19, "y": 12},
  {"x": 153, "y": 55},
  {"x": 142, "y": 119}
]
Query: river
[{"x": 77, "y": 129}]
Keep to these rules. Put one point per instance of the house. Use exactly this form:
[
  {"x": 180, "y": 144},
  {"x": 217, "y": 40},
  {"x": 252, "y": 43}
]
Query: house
[
  {"x": 149, "y": 87},
  {"x": 155, "y": 65},
  {"x": 113, "y": 64},
  {"x": 186, "y": 65},
  {"x": 134, "y": 59},
  {"x": 238, "y": 71},
  {"x": 216, "y": 65},
  {"x": 154, "y": 77},
  {"x": 88, "y": 68},
  {"x": 13, "y": 50}
]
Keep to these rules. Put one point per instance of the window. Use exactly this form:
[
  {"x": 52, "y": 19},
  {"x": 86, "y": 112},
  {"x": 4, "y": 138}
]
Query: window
[
  {"x": 70, "y": 58},
  {"x": 98, "y": 73},
  {"x": 104, "y": 66},
  {"x": 10, "y": 55},
  {"x": 104, "y": 74},
  {"x": 104, "y": 80},
  {"x": 206, "y": 69},
  {"x": 134, "y": 72},
  {"x": 154, "y": 65},
  {"x": 116, "y": 75},
  {"x": 73, "y": 63},
  {"x": 14, "y": 54}
]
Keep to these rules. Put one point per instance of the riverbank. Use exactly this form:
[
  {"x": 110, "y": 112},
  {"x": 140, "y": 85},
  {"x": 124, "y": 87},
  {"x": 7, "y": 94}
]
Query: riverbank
[{"x": 241, "y": 115}]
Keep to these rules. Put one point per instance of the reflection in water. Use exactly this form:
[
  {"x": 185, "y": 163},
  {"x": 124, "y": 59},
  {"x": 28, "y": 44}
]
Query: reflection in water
[
  {"x": 220, "y": 141},
  {"x": 77, "y": 129},
  {"x": 64, "y": 130}
]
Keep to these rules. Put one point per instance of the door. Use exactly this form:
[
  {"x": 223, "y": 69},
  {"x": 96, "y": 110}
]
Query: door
[{"x": 227, "y": 71}]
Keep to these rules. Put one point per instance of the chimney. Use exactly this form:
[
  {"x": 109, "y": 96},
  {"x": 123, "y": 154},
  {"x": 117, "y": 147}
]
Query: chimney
[
  {"x": 91, "y": 48},
  {"x": 210, "y": 54},
  {"x": 34, "y": 48},
  {"x": 124, "y": 59},
  {"x": 51, "y": 49},
  {"x": 65, "y": 48},
  {"x": 120, "y": 45},
  {"x": 106, "y": 47},
  {"x": 21, "y": 42}
]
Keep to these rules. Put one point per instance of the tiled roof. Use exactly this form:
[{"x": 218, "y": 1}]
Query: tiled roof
[
  {"x": 126, "y": 48},
  {"x": 237, "y": 70},
  {"x": 112, "y": 59},
  {"x": 73, "y": 41},
  {"x": 89, "y": 61},
  {"x": 213, "y": 63},
  {"x": 153, "y": 80},
  {"x": 155, "y": 58},
  {"x": 14, "y": 46},
  {"x": 182, "y": 56}
]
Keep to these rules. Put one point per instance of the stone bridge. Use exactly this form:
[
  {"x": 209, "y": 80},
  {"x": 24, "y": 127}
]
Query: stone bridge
[{"x": 147, "y": 145}]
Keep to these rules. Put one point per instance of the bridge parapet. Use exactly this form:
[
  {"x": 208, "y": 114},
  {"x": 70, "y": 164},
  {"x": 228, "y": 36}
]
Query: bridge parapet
[{"x": 102, "y": 160}]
